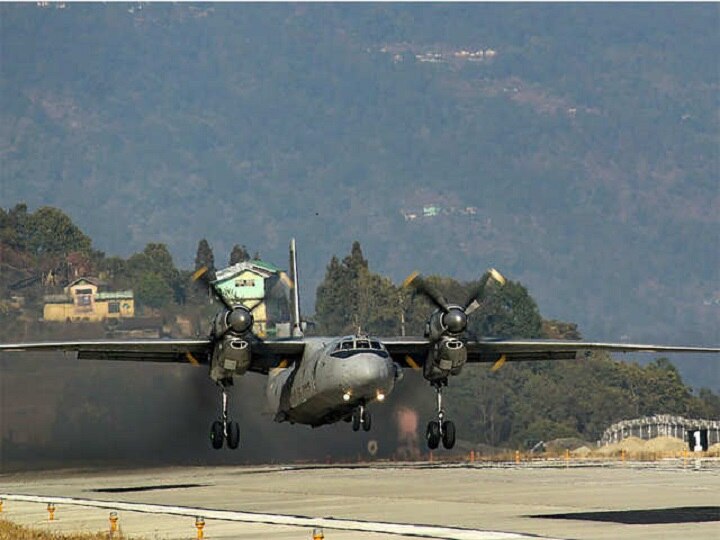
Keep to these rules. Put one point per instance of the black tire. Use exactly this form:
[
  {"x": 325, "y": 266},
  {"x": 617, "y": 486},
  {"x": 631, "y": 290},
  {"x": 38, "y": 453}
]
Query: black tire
[
  {"x": 355, "y": 420},
  {"x": 233, "y": 435},
  {"x": 432, "y": 434},
  {"x": 366, "y": 420},
  {"x": 217, "y": 434},
  {"x": 448, "y": 436}
]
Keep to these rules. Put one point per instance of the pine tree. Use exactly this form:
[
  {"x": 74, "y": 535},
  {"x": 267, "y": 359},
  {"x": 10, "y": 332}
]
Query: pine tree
[
  {"x": 205, "y": 257},
  {"x": 239, "y": 254}
]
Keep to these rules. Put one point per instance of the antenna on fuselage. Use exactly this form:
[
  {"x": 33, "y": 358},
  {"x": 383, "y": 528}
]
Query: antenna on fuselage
[{"x": 296, "y": 330}]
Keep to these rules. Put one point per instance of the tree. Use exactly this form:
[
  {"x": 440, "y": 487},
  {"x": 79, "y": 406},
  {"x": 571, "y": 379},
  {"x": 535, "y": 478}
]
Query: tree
[
  {"x": 50, "y": 231},
  {"x": 205, "y": 257},
  {"x": 153, "y": 291},
  {"x": 156, "y": 259},
  {"x": 237, "y": 255}
]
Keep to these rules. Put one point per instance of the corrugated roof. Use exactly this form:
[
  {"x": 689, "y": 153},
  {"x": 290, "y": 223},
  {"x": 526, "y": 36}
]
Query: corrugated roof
[
  {"x": 115, "y": 295},
  {"x": 263, "y": 268},
  {"x": 57, "y": 299}
]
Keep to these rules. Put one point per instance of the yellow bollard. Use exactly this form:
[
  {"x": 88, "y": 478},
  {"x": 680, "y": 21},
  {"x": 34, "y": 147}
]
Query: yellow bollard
[
  {"x": 1, "y": 503},
  {"x": 517, "y": 456},
  {"x": 51, "y": 511},
  {"x": 113, "y": 523},
  {"x": 318, "y": 533},
  {"x": 567, "y": 457},
  {"x": 200, "y": 524},
  {"x": 622, "y": 455}
]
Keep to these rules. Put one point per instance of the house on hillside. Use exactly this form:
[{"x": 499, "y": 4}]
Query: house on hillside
[
  {"x": 260, "y": 286},
  {"x": 83, "y": 301}
]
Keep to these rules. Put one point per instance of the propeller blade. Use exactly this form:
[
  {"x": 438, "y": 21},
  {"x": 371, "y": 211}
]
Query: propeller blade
[
  {"x": 416, "y": 281},
  {"x": 498, "y": 363},
  {"x": 478, "y": 293}
]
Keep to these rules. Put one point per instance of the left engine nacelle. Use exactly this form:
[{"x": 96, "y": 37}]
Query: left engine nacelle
[
  {"x": 447, "y": 357},
  {"x": 230, "y": 357}
]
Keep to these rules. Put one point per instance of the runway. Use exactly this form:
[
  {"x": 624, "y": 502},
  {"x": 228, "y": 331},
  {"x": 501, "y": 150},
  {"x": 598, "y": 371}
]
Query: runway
[{"x": 456, "y": 501}]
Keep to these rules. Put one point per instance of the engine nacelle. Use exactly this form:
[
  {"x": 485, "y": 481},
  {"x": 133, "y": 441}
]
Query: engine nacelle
[
  {"x": 452, "y": 323},
  {"x": 447, "y": 357},
  {"x": 230, "y": 357}
]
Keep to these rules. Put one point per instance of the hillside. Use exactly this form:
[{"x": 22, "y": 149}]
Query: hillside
[{"x": 573, "y": 147}]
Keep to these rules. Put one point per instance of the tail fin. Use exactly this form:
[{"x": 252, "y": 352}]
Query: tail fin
[{"x": 296, "y": 330}]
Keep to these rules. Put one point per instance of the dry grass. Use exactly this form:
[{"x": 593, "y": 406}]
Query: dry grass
[{"x": 11, "y": 531}]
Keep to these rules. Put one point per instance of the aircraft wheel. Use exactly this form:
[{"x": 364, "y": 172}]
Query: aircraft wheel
[
  {"x": 217, "y": 434},
  {"x": 448, "y": 436},
  {"x": 366, "y": 420},
  {"x": 233, "y": 438},
  {"x": 432, "y": 435},
  {"x": 355, "y": 421}
]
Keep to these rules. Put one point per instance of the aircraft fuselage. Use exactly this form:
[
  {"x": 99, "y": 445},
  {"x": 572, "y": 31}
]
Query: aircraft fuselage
[{"x": 334, "y": 377}]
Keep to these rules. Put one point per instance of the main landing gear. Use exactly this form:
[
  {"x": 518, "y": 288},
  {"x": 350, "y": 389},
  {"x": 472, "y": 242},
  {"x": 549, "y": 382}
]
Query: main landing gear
[
  {"x": 224, "y": 429},
  {"x": 440, "y": 429},
  {"x": 361, "y": 417}
]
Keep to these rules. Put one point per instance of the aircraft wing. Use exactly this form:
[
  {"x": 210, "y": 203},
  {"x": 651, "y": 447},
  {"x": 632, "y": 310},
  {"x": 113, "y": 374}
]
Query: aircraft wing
[
  {"x": 412, "y": 352},
  {"x": 265, "y": 354}
]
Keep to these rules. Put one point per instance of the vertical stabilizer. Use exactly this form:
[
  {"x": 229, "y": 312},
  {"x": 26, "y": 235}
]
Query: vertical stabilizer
[{"x": 296, "y": 330}]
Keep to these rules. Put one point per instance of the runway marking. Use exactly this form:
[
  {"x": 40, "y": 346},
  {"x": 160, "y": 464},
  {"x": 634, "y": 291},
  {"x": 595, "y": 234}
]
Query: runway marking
[{"x": 404, "y": 529}]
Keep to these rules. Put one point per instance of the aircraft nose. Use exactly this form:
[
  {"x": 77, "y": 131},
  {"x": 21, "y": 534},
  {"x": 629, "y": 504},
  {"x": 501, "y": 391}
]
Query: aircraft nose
[{"x": 368, "y": 372}]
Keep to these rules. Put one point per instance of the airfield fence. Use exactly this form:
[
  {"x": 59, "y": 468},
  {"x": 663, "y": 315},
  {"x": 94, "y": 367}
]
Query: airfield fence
[{"x": 661, "y": 425}]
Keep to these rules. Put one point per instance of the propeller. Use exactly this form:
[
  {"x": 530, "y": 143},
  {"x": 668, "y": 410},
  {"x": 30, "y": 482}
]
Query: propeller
[{"x": 454, "y": 317}]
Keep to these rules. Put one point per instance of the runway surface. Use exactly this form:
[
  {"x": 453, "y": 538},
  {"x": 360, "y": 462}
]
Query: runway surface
[{"x": 463, "y": 502}]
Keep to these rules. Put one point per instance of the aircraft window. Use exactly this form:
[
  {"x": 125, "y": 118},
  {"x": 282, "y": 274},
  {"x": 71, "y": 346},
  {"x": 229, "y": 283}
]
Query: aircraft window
[{"x": 350, "y": 347}]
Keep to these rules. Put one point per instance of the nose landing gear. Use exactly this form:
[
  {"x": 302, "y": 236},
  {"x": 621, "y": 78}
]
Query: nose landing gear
[
  {"x": 224, "y": 430},
  {"x": 440, "y": 429},
  {"x": 361, "y": 417}
]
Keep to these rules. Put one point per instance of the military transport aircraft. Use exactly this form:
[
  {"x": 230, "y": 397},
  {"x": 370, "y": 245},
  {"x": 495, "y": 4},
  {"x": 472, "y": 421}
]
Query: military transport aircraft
[{"x": 322, "y": 380}]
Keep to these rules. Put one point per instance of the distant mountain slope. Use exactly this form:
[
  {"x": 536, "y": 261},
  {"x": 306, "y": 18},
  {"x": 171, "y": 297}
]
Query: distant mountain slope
[{"x": 574, "y": 147}]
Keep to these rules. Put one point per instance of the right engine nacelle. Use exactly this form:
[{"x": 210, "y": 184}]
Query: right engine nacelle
[
  {"x": 230, "y": 357},
  {"x": 447, "y": 357}
]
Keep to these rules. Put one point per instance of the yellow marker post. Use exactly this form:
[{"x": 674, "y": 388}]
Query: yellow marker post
[
  {"x": 1, "y": 503},
  {"x": 567, "y": 457},
  {"x": 200, "y": 525},
  {"x": 622, "y": 455},
  {"x": 113, "y": 523},
  {"x": 318, "y": 533},
  {"x": 51, "y": 511}
]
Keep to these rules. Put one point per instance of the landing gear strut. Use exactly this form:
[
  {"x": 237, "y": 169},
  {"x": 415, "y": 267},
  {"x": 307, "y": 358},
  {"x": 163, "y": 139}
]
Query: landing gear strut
[
  {"x": 224, "y": 429},
  {"x": 361, "y": 417},
  {"x": 440, "y": 429}
]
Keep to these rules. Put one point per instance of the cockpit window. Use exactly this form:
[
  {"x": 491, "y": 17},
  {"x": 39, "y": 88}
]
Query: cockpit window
[{"x": 350, "y": 346}]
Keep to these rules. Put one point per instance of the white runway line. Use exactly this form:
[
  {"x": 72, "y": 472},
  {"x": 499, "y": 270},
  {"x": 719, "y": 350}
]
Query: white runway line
[{"x": 421, "y": 531}]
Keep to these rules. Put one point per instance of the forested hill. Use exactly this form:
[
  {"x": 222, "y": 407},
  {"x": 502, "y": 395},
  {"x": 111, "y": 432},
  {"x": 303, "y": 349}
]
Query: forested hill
[{"x": 574, "y": 147}]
